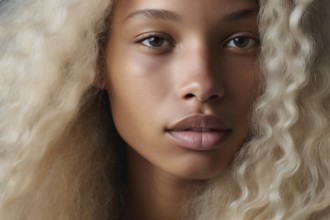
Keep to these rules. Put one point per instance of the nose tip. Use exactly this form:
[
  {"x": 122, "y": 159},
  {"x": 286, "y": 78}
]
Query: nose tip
[{"x": 203, "y": 91}]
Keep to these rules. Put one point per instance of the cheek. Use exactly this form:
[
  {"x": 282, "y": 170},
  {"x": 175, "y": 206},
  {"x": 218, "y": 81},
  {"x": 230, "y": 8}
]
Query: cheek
[
  {"x": 242, "y": 80},
  {"x": 136, "y": 92},
  {"x": 129, "y": 115},
  {"x": 242, "y": 85},
  {"x": 136, "y": 81},
  {"x": 136, "y": 86}
]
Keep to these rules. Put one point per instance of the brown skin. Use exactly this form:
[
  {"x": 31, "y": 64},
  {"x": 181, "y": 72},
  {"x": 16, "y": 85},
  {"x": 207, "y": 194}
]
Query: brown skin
[{"x": 193, "y": 65}]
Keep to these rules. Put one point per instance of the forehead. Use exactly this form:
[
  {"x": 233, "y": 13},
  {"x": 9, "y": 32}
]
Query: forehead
[
  {"x": 210, "y": 7},
  {"x": 177, "y": 3}
]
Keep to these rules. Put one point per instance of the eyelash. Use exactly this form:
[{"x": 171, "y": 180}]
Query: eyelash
[
  {"x": 232, "y": 44},
  {"x": 144, "y": 39}
]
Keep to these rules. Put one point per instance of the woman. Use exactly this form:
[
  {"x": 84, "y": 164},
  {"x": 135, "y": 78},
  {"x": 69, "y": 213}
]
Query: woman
[{"x": 164, "y": 109}]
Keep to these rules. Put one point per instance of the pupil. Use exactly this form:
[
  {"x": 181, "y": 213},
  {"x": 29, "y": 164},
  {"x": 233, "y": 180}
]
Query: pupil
[
  {"x": 156, "y": 41},
  {"x": 241, "y": 41}
]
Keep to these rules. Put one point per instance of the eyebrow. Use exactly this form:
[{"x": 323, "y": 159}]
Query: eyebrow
[
  {"x": 155, "y": 14},
  {"x": 172, "y": 16},
  {"x": 240, "y": 14}
]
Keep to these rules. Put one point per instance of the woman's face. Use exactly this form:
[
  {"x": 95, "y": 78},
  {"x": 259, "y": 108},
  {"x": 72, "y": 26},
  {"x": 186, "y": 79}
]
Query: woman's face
[{"x": 182, "y": 77}]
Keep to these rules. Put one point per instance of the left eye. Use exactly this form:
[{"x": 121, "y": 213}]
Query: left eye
[
  {"x": 241, "y": 42},
  {"x": 156, "y": 42}
]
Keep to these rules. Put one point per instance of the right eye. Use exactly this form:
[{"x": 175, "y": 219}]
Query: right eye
[
  {"x": 156, "y": 41},
  {"x": 241, "y": 42}
]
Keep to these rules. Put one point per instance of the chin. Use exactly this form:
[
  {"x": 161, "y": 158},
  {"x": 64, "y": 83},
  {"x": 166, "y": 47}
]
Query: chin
[{"x": 199, "y": 168}]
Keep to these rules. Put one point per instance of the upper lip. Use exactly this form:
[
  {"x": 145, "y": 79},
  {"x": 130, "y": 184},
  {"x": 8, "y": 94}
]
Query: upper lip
[{"x": 199, "y": 122}]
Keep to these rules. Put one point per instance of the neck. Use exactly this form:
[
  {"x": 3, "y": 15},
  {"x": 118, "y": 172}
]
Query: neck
[{"x": 152, "y": 193}]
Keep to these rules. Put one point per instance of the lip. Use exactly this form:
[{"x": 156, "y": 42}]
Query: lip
[{"x": 199, "y": 132}]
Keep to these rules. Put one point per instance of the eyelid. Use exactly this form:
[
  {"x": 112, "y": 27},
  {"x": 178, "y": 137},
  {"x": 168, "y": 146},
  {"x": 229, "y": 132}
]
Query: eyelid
[
  {"x": 141, "y": 37},
  {"x": 253, "y": 36}
]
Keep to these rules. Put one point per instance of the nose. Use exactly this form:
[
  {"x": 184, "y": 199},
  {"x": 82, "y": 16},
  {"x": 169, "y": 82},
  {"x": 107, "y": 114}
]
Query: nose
[{"x": 200, "y": 77}]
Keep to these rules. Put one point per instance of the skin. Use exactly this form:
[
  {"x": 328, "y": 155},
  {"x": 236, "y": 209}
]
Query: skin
[{"x": 200, "y": 58}]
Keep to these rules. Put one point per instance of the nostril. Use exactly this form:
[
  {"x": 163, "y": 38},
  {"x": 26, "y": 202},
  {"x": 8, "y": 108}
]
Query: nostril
[
  {"x": 189, "y": 96},
  {"x": 201, "y": 99},
  {"x": 213, "y": 97}
]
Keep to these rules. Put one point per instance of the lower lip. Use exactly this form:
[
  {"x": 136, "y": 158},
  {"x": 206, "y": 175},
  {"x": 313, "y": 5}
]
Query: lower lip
[{"x": 194, "y": 140}]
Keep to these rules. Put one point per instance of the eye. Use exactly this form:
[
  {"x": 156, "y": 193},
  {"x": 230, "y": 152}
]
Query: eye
[
  {"x": 242, "y": 42},
  {"x": 154, "y": 40}
]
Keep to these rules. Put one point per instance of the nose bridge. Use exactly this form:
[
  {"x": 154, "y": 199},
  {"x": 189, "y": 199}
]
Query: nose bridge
[{"x": 201, "y": 75}]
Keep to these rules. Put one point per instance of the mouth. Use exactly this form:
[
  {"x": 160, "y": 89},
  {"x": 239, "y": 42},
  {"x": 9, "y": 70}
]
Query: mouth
[{"x": 198, "y": 132}]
